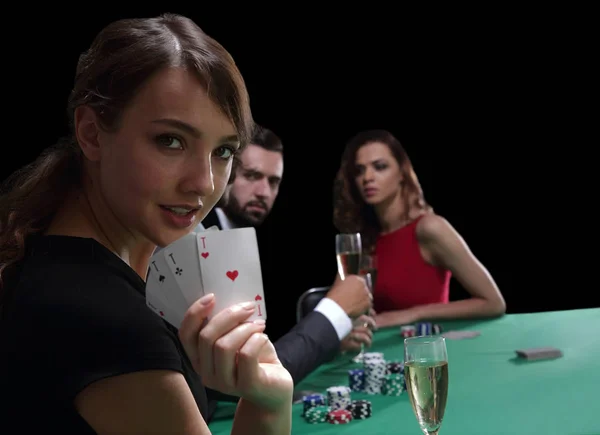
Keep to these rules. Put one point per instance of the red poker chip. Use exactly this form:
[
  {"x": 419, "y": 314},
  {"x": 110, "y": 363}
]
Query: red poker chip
[{"x": 339, "y": 416}]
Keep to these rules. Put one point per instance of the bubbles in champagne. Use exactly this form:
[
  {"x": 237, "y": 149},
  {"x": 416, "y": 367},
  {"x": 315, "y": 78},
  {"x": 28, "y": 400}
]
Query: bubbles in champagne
[
  {"x": 348, "y": 263},
  {"x": 427, "y": 387}
]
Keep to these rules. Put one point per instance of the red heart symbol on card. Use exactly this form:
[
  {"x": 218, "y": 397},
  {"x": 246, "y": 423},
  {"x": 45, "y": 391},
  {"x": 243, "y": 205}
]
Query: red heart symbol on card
[
  {"x": 258, "y": 298},
  {"x": 204, "y": 254},
  {"x": 232, "y": 275}
]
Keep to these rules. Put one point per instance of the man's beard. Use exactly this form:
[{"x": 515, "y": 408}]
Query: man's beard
[{"x": 240, "y": 217}]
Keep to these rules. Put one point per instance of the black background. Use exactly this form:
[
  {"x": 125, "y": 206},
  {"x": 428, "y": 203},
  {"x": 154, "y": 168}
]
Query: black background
[{"x": 480, "y": 99}]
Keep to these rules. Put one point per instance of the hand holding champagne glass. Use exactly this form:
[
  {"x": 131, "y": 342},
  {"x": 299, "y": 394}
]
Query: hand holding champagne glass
[
  {"x": 348, "y": 249},
  {"x": 426, "y": 376}
]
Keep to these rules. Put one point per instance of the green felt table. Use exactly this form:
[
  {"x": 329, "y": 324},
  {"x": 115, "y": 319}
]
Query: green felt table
[{"x": 491, "y": 391}]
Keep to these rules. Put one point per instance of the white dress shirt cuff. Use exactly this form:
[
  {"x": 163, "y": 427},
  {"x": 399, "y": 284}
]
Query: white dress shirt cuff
[{"x": 336, "y": 315}]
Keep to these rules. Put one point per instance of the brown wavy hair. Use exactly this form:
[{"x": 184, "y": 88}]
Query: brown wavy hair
[
  {"x": 351, "y": 214},
  {"x": 108, "y": 75}
]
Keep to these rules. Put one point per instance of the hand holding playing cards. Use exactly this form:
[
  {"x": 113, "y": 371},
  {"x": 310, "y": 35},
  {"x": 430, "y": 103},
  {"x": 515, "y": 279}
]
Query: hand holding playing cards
[
  {"x": 352, "y": 295},
  {"x": 233, "y": 356}
]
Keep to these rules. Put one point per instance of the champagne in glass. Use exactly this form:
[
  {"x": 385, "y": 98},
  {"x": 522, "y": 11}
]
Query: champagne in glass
[
  {"x": 426, "y": 376},
  {"x": 368, "y": 265},
  {"x": 348, "y": 248}
]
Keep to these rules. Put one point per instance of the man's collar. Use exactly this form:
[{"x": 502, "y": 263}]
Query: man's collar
[{"x": 226, "y": 224}]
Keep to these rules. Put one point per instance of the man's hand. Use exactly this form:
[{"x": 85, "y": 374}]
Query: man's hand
[
  {"x": 352, "y": 295},
  {"x": 362, "y": 333}
]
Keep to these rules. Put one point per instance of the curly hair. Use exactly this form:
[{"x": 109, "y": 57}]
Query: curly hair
[
  {"x": 120, "y": 60},
  {"x": 351, "y": 214}
]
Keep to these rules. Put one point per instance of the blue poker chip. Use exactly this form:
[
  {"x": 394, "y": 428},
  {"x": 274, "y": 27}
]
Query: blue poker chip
[
  {"x": 311, "y": 401},
  {"x": 424, "y": 328}
]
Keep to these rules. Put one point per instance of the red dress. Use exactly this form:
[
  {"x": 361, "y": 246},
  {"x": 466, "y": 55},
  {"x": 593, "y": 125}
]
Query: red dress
[{"x": 404, "y": 279}]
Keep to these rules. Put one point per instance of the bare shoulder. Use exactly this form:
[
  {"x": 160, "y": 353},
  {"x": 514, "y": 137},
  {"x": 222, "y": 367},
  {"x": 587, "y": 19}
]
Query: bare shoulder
[
  {"x": 433, "y": 228},
  {"x": 150, "y": 401}
]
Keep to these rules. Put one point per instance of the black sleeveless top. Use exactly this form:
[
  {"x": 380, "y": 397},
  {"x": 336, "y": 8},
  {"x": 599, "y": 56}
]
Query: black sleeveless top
[{"x": 77, "y": 314}]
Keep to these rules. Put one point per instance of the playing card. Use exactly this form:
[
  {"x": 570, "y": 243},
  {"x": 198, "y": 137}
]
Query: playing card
[
  {"x": 460, "y": 335},
  {"x": 156, "y": 300},
  {"x": 166, "y": 286},
  {"x": 183, "y": 261},
  {"x": 230, "y": 268}
]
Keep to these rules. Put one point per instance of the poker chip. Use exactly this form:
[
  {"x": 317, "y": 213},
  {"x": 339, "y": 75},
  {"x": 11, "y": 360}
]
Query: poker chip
[
  {"x": 338, "y": 397},
  {"x": 360, "y": 409},
  {"x": 339, "y": 416},
  {"x": 317, "y": 414},
  {"x": 372, "y": 355},
  {"x": 376, "y": 376},
  {"x": 408, "y": 331},
  {"x": 312, "y": 400},
  {"x": 424, "y": 328},
  {"x": 394, "y": 367},
  {"x": 356, "y": 379},
  {"x": 375, "y": 371},
  {"x": 393, "y": 384},
  {"x": 420, "y": 329}
]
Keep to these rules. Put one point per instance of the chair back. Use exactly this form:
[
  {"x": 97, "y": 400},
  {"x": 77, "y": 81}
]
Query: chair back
[{"x": 309, "y": 300}]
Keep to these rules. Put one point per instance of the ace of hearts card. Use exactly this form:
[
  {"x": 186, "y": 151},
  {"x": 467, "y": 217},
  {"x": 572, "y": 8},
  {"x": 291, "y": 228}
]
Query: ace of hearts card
[{"x": 230, "y": 268}]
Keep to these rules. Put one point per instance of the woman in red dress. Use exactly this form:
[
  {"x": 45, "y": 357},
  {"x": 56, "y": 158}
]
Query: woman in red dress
[{"x": 377, "y": 193}]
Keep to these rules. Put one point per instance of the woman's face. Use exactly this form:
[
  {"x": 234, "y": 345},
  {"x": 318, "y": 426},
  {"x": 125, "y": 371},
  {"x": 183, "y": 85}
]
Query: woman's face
[
  {"x": 378, "y": 174},
  {"x": 169, "y": 161}
]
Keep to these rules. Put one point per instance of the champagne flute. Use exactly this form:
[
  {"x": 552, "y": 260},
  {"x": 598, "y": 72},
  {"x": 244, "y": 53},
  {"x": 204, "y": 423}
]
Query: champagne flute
[
  {"x": 348, "y": 248},
  {"x": 426, "y": 377}
]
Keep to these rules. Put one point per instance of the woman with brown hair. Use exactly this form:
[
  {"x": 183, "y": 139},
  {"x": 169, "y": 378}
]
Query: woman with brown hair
[
  {"x": 158, "y": 112},
  {"x": 378, "y": 194}
]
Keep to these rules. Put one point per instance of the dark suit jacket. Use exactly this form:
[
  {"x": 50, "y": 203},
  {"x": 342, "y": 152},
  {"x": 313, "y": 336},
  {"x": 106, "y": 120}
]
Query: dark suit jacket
[
  {"x": 211, "y": 219},
  {"x": 310, "y": 343}
]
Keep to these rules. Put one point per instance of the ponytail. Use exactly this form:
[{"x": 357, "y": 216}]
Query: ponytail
[{"x": 30, "y": 198}]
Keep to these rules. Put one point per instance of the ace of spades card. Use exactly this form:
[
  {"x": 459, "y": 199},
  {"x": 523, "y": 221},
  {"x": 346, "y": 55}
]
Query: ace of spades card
[
  {"x": 162, "y": 293},
  {"x": 230, "y": 268}
]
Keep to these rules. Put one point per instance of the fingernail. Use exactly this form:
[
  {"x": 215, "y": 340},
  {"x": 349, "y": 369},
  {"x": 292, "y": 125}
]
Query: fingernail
[
  {"x": 260, "y": 321},
  {"x": 207, "y": 299},
  {"x": 248, "y": 305}
]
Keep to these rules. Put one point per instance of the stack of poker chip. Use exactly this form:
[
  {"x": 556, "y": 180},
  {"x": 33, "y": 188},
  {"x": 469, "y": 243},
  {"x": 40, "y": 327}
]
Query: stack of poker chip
[
  {"x": 356, "y": 379},
  {"x": 375, "y": 370},
  {"x": 339, "y": 416},
  {"x": 393, "y": 384},
  {"x": 420, "y": 329},
  {"x": 408, "y": 331},
  {"x": 395, "y": 367},
  {"x": 312, "y": 400},
  {"x": 428, "y": 328},
  {"x": 372, "y": 355},
  {"x": 360, "y": 409},
  {"x": 317, "y": 414},
  {"x": 339, "y": 397}
]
